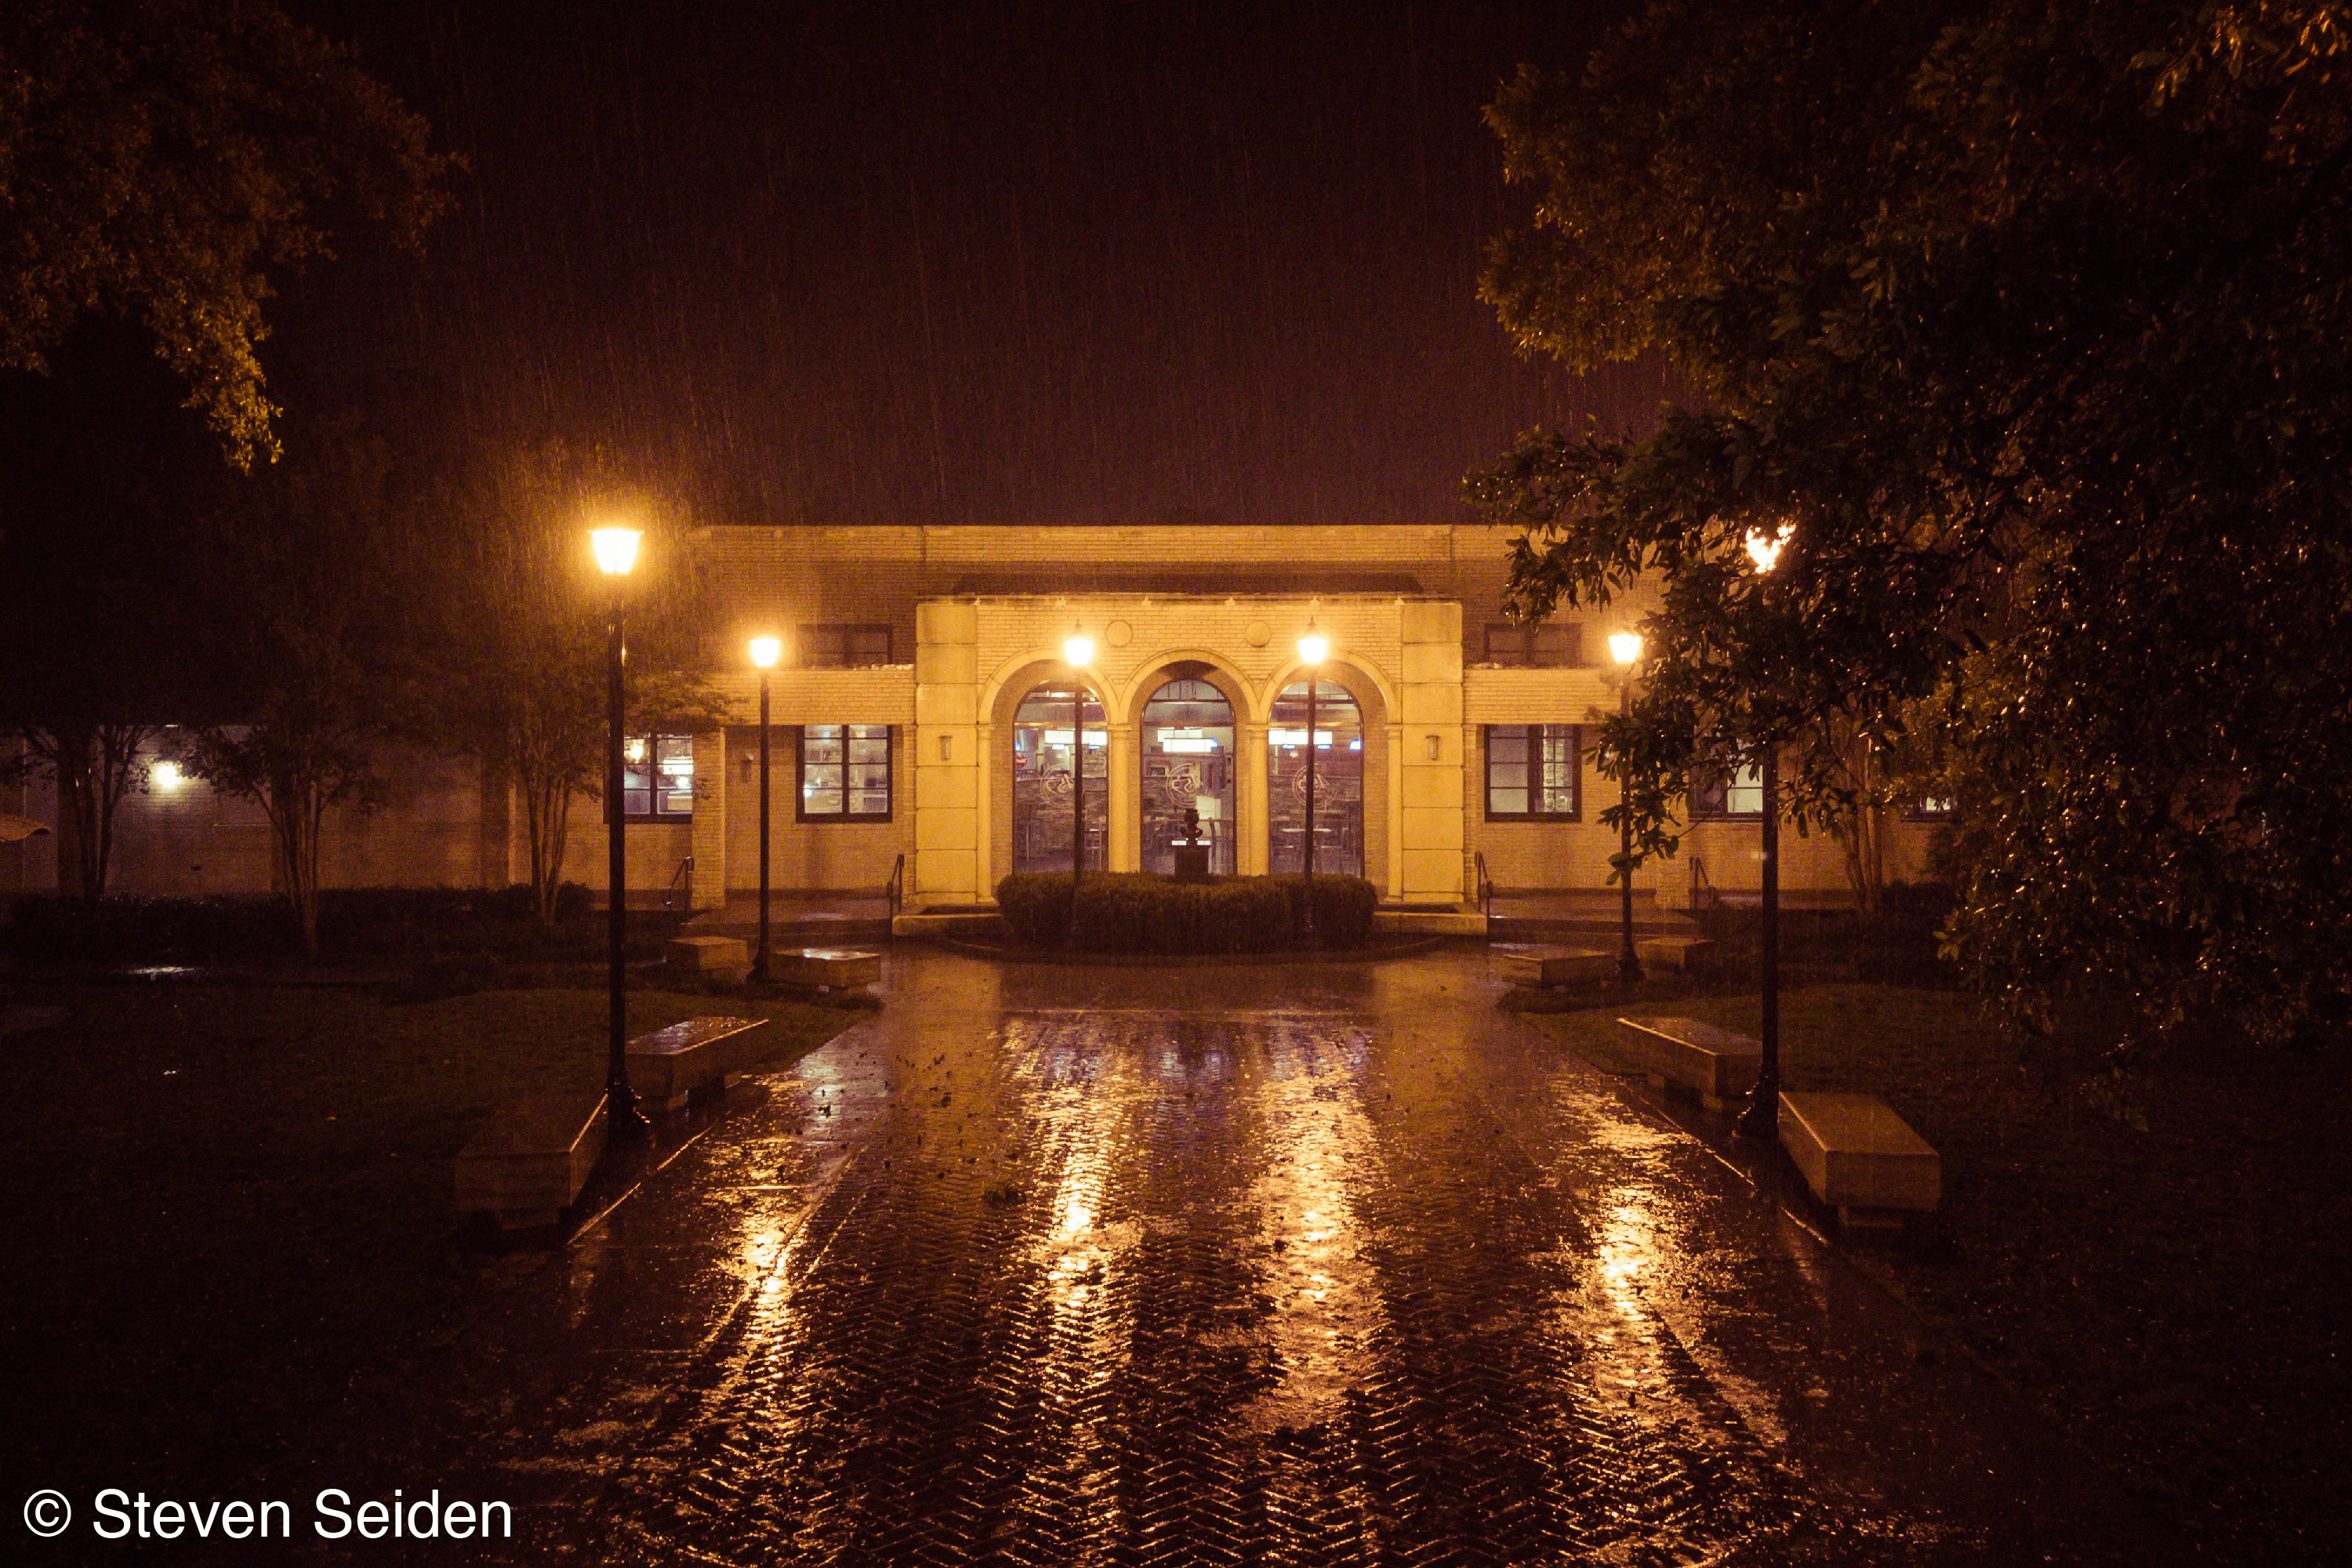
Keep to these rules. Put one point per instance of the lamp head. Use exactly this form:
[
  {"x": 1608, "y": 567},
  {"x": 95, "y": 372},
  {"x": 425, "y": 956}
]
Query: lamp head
[
  {"x": 1766, "y": 551},
  {"x": 765, "y": 651},
  {"x": 1314, "y": 648},
  {"x": 616, "y": 550},
  {"x": 1625, "y": 646},
  {"x": 1080, "y": 649}
]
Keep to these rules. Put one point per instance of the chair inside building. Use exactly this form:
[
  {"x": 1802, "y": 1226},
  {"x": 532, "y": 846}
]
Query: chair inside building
[
  {"x": 1187, "y": 762},
  {"x": 1338, "y": 779},
  {"x": 1044, "y": 786}
]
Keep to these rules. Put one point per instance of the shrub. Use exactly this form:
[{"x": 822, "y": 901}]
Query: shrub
[{"x": 1141, "y": 911}]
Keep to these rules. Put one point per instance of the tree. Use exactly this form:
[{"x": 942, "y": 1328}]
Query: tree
[
  {"x": 2024, "y": 320},
  {"x": 519, "y": 669},
  {"x": 158, "y": 158}
]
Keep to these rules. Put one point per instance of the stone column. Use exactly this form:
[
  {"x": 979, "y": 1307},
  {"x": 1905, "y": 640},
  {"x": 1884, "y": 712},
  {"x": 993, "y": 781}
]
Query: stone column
[
  {"x": 709, "y": 880},
  {"x": 1433, "y": 803},
  {"x": 1123, "y": 821},
  {"x": 947, "y": 698},
  {"x": 1252, "y": 846},
  {"x": 984, "y": 808}
]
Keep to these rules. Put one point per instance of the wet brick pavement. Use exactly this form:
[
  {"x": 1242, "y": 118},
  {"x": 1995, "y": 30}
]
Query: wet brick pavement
[{"x": 1299, "y": 1265}]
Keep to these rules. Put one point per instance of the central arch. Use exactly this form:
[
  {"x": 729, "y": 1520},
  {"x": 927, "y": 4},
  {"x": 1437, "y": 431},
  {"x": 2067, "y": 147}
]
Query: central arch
[
  {"x": 1186, "y": 733},
  {"x": 1336, "y": 752}
]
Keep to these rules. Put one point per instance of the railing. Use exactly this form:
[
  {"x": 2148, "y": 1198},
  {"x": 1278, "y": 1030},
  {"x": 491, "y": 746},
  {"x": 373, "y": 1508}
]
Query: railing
[
  {"x": 894, "y": 892},
  {"x": 1702, "y": 896},
  {"x": 1486, "y": 884},
  {"x": 684, "y": 873}
]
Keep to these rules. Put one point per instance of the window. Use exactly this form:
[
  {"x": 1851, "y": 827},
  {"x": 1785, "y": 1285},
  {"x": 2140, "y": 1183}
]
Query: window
[
  {"x": 1736, "y": 793},
  {"x": 1931, "y": 810},
  {"x": 1547, "y": 644},
  {"x": 844, "y": 772},
  {"x": 843, "y": 647},
  {"x": 1531, "y": 770},
  {"x": 658, "y": 778}
]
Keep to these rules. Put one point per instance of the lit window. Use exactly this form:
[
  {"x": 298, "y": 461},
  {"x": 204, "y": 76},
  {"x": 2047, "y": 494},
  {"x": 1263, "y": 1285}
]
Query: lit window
[
  {"x": 1734, "y": 794},
  {"x": 844, "y": 772},
  {"x": 657, "y": 777},
  {"x": 1531, "y": 772},
  {"x": 1934, "y": 810}
]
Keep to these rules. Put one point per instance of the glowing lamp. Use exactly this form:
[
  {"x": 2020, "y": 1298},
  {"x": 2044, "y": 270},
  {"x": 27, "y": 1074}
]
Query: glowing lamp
[
  {"x": 616, "y": 550},
  {"x": 1625, "y": 646},
  {"x": 1314, "y": 648},
  {"x": 1080, "y": 649},
  {"x": 1766, "y": 551},
  {"x": 167, "y": 775},
  {"x": 765, "y": 651}
]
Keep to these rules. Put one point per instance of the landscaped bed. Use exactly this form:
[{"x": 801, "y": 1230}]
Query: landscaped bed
[
  {"x": 1143, "y": 912},
  {"x": 232, "y": 1199},
  {"x": 2174, "y": 1296}
]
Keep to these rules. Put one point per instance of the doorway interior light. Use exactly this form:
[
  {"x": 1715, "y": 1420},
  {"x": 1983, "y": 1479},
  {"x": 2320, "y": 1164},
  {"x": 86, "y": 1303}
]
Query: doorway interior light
[{"x": 616, "y": 549}]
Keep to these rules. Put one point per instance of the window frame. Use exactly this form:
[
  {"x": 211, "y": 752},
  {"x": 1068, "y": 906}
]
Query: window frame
[
  {"x": 806, "y": 639},
  {"x": 801, "y": 814},
  {"x": 1535, "y": 736},
  {"x": 1729, "y": 777},
  {"x": 654, "y": 813},
  {"x": 1570, "y": 654}
]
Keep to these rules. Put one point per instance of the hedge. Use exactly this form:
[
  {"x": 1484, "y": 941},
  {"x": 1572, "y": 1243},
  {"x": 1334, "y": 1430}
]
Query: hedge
[{"x": 1142, "y": 911}]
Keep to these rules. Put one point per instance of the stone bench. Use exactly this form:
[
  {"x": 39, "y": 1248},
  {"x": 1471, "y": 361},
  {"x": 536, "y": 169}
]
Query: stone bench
[
  {"x": 1720, "y": 1065},
  {"x": 1681, "y": 954},
  {"x": 725, "y": 958},
  {"x": 1860, "y": 1158},
  {"x": 826, "y": 968},
  {"x": 529, "y": 1163},
  {"x": 1525, "y": 964},
  {"x": 670, "y": 1066}
]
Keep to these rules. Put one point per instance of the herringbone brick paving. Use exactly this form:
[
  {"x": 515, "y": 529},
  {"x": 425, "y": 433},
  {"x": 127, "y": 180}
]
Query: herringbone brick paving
[{"x": 1280, "y": 1267}]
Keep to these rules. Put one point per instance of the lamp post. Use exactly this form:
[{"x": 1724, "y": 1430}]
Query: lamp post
[
  {"x": 764, "y": 653},
  {"x": 1313, "y": 648},
  {"x": 1080, "y": 649},
  {"x": 1625, "y": 647},
  {"x": 1762, "y": 1117},
  {"x": 616, "y": 553}
]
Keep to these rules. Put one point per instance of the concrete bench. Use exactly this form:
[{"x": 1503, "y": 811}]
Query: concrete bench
[
  {"x": 670, "y": 1066},
  {"x": 529, "y": 1163},
  {"x": 1681, "y": 954},
  {"x": 826, "y": 968},
  {"x": 1720, "y": 1065},
  {"x": 725, "y": 958},
  {"x": 1860, "y": 1158},
  {"x": 1524, "y": 964}
]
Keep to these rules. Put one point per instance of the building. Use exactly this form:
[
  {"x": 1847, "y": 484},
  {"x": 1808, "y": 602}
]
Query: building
[{"x": 924, "y": 711}]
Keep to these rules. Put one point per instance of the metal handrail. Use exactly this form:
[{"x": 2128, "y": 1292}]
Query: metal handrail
[
  {"x": 1486, "y": 884},
  {"x": 1703, "y": 894},
  {"x": 894, "y": 892},
  {"x": 684, "y": 873}
]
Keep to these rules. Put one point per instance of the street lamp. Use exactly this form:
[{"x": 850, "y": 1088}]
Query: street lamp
[
  {"x": 764, "y": 653},
  {"x": 616, "y": 553},
  {"x": 1762, "y": 1117},
  {"x": 1080, "y": 649},
  {"x": 1313, "y": 649},
  {"x": 1625, "y": 647}
]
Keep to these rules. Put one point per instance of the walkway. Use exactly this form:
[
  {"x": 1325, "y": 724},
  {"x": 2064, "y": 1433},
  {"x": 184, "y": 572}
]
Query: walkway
[{"x": 1299, "y": 1265}]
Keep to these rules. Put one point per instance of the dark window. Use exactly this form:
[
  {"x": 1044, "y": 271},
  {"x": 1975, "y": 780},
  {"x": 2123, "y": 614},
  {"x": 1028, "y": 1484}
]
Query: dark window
[
  {"x": 657, "y": 777},
  {"x": 843, "y": 647},
  {"x": 1548, "y": 645},
  {"x": 1729, "y": 794},
  {"x": 844, "y": 772},
  {"x": 1531, "y": 770}
]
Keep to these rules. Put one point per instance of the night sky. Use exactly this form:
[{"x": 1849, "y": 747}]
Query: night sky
[{"x": 965, "y": 263}]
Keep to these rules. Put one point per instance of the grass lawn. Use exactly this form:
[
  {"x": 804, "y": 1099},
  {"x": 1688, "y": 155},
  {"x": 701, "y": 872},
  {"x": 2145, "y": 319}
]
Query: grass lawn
[
  {"x": 224, "y": 1202},
  {"x": 2164, "y": 1270}
]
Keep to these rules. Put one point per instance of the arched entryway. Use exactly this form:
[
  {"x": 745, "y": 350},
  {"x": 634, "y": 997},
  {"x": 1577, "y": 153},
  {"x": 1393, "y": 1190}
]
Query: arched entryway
[
  {"x": 1186, "y": 738},
  {"x": 1339, "y": 753},
  {"x": 1044, "y": 783}
]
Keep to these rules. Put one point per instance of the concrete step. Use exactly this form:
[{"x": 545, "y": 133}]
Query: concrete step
[{"x": 1541, "y": 928}]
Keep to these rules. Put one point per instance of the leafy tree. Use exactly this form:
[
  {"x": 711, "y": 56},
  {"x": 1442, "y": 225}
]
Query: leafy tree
[
  {"x": 2024, "y": 318},
  {"x": 158, "y": 158},
  {"x": 519, "y": 671}
]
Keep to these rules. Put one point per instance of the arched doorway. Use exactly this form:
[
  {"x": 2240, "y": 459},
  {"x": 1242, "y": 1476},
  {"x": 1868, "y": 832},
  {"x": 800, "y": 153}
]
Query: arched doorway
[
  {"x": 1187, "y": 736},
  {"x": 1043, "y": 783},
  {"x": 1338, "y": 779}
]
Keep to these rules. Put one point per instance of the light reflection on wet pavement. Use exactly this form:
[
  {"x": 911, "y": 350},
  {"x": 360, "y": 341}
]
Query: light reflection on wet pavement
[{"x": 1318, "y": 1265}]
